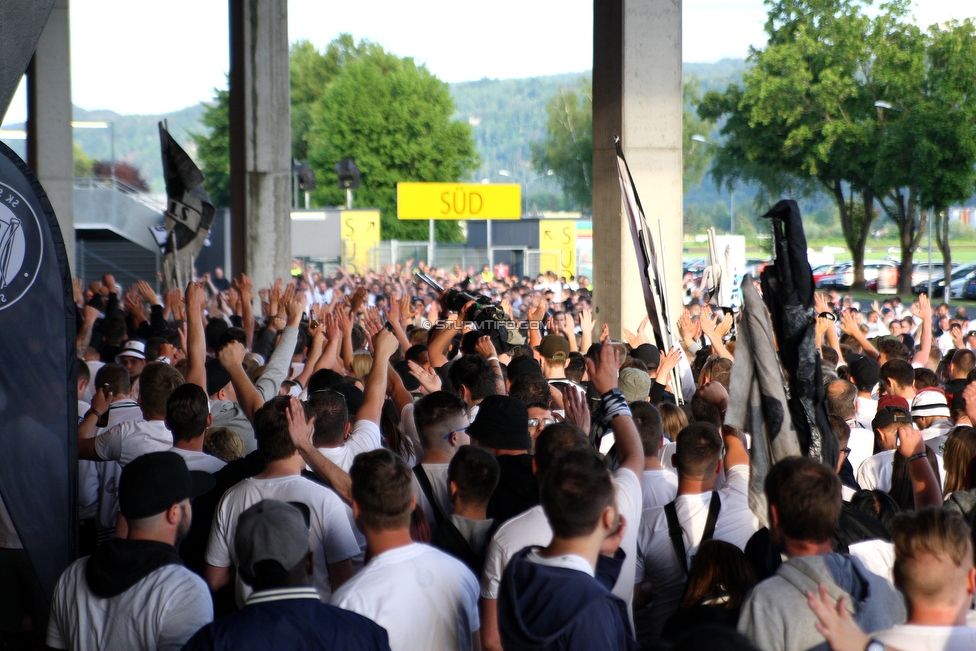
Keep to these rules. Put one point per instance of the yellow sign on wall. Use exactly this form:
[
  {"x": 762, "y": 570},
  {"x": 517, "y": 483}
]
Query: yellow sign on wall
[
  {"x": 557, "y": 243},
  {"x": 360, "y": 232},
  {"x": 459, "y": 201}
]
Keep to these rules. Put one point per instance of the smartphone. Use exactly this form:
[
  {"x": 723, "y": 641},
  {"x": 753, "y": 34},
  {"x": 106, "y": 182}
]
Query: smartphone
[{"x": 103, "y": 419}]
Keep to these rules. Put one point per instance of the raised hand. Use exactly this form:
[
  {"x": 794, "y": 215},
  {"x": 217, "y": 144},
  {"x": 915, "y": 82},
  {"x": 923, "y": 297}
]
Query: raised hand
[
  {"x": 485, "y": 348},
  {"x": 667, "y": 364},
  {"x": 603, "y": 374},
  {"x": 577, "y": 411},
  {"x": 231, "y": 355},
  {"x": 300, "y": 428},
  {"x": 108, "y": 281},
  {"x": 147, "y": 292},
  {"x": 428, "y": 379},
  {"x": 384, "y": 345},
  {"x": 923, "y": 310}
]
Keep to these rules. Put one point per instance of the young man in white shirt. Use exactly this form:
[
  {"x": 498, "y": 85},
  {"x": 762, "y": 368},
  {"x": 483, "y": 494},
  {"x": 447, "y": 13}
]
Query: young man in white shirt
[
  {"x": 841, "y": 396},
  {"x": 934, "y": 571},
  {"x": 134, "y": 593},
  {"x": 698, "y": 513},
  {"x": 334, "y": 437},
  {"x": 864, "y": 376},
  {"x": 442, "y": 422},
  {"x": 424, "y": 598},
  {"x": 875, "y": 471},
  {"x": 532, "y": 528},
  {"x": 658, "y": 484},
  {"x": 330, "y": 534},
  {"x": 130, "y": 439},
  {"x": 188, "y": 417}
]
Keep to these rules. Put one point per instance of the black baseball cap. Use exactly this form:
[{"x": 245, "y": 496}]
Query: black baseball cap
[
  {"x": 648, "y": 354},
  {"x": 523, "y": 365},
  {"x": 156, "y": 481},
  {"x": 502, "y": 422}
]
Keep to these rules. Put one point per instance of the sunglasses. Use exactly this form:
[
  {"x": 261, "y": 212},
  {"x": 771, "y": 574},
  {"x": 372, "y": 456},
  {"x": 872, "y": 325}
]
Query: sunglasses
[
  {"x": 545, "y": 422},
  {"x": 460, "y": 430}
]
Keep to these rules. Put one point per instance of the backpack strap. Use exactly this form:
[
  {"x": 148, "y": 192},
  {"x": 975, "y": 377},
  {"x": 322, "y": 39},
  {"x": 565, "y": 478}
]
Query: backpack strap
[
  {"x": 428, "y": 490},
  {"x": 677, "y": 535}
]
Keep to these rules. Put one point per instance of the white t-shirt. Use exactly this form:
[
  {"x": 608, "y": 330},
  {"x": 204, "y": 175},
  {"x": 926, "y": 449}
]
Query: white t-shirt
[
  {"x": 531, "y": 529},
  {"x": 875, "y": 472},
  {"x": 87, "y": 478},
  {"x": 196, "y": 460},
  {"x": 658, "y": 487},
  {"x": 928, "y": 638},
  {"x": 364, "y": 437},
  {"x": 656, "y": 559},
  {"x": 865, "y": 410},
  {"x": 132, "y": 439},
  {"x": 161, "y": 611},
  {"x": 862, "y": 446},
  {"x": 330, "y": 537},
  {"x": 437, "y": 475},
  {"x": 125, "y": 410},
  {"x": 424, "y": 598},
  {"x": 877, "y": 556}
]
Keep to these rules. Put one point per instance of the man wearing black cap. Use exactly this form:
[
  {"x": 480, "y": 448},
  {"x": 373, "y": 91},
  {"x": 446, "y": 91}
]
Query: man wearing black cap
[
  {"x": 502, "y": 428},
  {"x": 135, "y": 593},
  {"x": 875, "y": 471},
  {"x": 864, "y": 374},
  {"x": 284, "y": 611},
  {"x": 554, "y": 350}
]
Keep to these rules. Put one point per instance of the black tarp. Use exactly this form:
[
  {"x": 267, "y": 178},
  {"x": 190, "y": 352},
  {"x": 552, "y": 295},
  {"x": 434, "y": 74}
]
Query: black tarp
[{"x": 38, "y": 374}]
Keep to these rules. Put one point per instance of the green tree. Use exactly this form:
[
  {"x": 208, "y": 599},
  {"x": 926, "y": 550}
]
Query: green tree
[
  {"x": 568, "y": 147},
  {"x": 394, "y": 118},
  {"x": 83, "y": 163},
  {"x": 213, "y": 148},
  {"x": 696, "y": 157}
]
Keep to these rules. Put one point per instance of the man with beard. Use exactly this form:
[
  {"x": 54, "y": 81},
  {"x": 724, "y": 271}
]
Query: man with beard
[{"x": 135, "y": 593}]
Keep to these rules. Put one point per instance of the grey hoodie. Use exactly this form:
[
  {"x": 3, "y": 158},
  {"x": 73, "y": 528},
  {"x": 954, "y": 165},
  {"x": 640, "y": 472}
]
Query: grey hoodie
[{"x": 776, "y": 617}]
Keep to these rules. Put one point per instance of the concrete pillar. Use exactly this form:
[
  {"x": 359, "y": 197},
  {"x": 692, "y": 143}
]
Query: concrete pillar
[
  {"x": 637, "y": 95},
  {"x": 260, "y": 140},
  {"x": 49, "y": 137}
]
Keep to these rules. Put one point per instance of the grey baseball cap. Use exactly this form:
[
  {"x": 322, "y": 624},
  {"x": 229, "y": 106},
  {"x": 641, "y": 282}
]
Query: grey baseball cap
[{"x": 270, "y": 531}]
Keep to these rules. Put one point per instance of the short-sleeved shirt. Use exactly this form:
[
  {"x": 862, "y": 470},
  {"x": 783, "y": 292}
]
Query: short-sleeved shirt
[
  {"x": 424, "y": 598},
  {"x": 928, "y": 638},
  {"x": 330, "y": 536},
  {"x": 196, "y": 460},
  {"x": 875, "y": 471},
  {"x": 364, "y": 437},
  {"x": 656, "y": 558},
  {"x": 161, "y": 611},
  {"x": 437, "y": 475},
  {"x": 861, "y": 444},
  {"x": 658, "y": 487},
  {"x": 531, "y": 529},
  {"x": 132, "y": 439}
]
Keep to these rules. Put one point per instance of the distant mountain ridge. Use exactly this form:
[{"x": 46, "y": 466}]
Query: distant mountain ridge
[{"x": 506, "y": 116}]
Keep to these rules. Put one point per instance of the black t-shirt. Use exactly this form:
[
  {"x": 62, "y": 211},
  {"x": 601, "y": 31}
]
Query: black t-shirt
[{"x": 518, "y": 488}]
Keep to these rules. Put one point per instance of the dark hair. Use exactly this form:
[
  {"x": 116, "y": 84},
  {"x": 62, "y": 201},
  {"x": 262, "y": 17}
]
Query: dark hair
[
  {"x": 113, "y": 330},
  {"x": 697, "y": 451},
  {"x": 331, "y": 417},
  {"x": 925, "y": 378},
  {"x": 703, "y": 411},
  {"x": 153, "y": 345},
  {"x": 324, "y": 378},
  {"x": 186, "y": 412},
  {"x": 435, "y": 415},
  {"x": 553, "y": 441},
  {"x": 156, "y": 382},
  {"x": 475, "y": 472},
  {"x": 963, "y": 361},
  {"x": 898, "y": 370},
  {"x": 116, "y": 377},
  {"x": 648, "y": 421},
  {"x": 893, "y": 348},
  {"x": 840, "y": 395},
  {"x": 879, "y": 505},
  {"x": 469, "y": 340},
  {"x": 393, "y": 436},
  {"x": 806, "y": 494},
  {"x": 414, "y": 352},
  {"x": 901, "y": 481},
  {"x": 830, "y": 356},
  {"x": 213, "y": 332},
  {"x": 531, "y": 388},
  {"x": 382, "y": 488},
  {"x": 271, "y": 428},
  {"x": 84, "y": 373},
  {"x": 474, "y": 372},
  {"x": 575, "y": 366},
  {"x": 718, "y": 570},
  {"x": 841, "y": 429},
  {"x": 233, "y": 334},
  {"x": 575, "y": 491}
]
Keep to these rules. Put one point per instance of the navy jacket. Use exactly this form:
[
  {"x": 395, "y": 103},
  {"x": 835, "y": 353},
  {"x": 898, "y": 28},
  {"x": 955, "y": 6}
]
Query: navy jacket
[
  {"x": 541, "y": 607},
  {"x": 295, "y": 622}
]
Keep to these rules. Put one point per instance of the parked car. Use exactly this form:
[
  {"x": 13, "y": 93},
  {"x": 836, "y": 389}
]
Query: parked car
[
  {"x": 921, "y": 272},
  {"x": 881, "y": 277},
  {"x": 843, "y": 276},
  {"x": 956, "y": 281},
  {"x": 969, "y": 288}
]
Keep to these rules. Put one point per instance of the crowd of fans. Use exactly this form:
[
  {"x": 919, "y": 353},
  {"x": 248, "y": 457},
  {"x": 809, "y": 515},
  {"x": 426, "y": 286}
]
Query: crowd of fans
[{"x": 353, "y": 465}]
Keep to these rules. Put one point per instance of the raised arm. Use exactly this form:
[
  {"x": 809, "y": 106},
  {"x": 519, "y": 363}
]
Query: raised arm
[
  {"x": 196, "y": 343},
  {"x": 300, "y": 429},
  {"x": 437, "y": 348},
  {"x": 925, "y": 486},
  {"x": 384, "y": 345},
  {"x": 924, "y": 312},
  {"x": 231, "y": 357},
  {"x": 848, "y": 324},
  {"x": 630, "y": 452},
  {"x": 246, "y": 288},
  {"x": 486, "y": 349}
]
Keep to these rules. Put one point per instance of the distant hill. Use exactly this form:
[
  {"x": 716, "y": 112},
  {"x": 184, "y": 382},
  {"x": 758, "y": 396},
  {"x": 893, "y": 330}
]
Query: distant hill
[{"x": 507, "y": 116}]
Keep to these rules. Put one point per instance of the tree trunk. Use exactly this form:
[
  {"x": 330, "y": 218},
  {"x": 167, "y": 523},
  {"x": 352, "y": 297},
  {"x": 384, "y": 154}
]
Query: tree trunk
[
  {"x": 854, "y": 235},
  {"x": 861, "y": 231},
  {"x": 941, "y": 216},
  {"x": 911, "y": 234}
]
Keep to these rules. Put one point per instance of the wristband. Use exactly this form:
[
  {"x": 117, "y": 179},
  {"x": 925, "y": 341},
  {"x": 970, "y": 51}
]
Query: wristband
[
  {"x": 90, "y": 412},
  {"x": 614, "y": 404},
  {"x": 915, "y": 457},
  {"x": 493, "y": 359}
]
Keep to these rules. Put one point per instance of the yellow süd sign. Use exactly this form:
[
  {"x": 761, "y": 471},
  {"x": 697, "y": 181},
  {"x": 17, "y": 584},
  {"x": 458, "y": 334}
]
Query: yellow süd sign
[
  {"x": 360, "y": 232},
  {"x": 557, "y": 243},
  {"x": 459, "y": 201}
]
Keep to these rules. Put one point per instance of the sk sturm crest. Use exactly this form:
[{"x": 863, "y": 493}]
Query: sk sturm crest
[{"x": 21, "y": 246}]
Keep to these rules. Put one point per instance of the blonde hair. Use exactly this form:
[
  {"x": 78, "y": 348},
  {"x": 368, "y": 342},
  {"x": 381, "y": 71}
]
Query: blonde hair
[
  {"x": 224, "y": 443},
  {"x": 362, "y": 364},
  {"x": 673, "y": 419}
]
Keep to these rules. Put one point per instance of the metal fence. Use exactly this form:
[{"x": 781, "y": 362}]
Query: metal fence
[{"x": 520, "y": 261}]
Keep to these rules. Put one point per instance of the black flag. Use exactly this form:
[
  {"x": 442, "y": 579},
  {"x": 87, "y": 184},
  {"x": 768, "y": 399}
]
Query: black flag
[
  {"x": 38, "y": 374},
  {"x": 189, "y": 212}
]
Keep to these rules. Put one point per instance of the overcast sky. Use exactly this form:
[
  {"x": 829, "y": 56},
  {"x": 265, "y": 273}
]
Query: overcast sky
[{"x": 155, "y": 57}]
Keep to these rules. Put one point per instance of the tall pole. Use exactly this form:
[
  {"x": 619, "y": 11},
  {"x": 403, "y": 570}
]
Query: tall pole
[
  {"x": 111, "y": 126},
  {"x": 430, "y": 245},
  {"x": 945, "y": 271},
  {"x": 731, "y": 212},
  {"x": 491, "y": 254}
]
